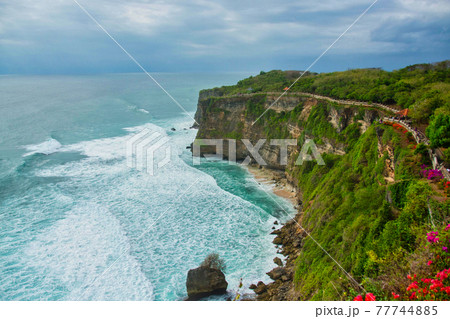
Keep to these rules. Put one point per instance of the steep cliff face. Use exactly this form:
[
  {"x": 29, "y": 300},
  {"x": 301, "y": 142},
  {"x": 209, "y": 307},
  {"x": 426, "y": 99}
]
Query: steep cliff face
[
  {"x": 292, "y": 117},
  {"x": 225, "y": 118}
]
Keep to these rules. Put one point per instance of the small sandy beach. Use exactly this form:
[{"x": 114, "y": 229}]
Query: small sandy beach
[{"x": 276, "y": 180}]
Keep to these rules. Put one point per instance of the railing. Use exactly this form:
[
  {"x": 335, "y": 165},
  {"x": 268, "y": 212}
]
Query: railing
[
  {"x": 420, "y": 138},
  {"x": 321, "y": 97}
]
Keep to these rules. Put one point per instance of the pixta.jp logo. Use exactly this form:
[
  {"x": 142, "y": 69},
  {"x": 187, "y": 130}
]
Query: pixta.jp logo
[
  {"x": 308, "y": 151},
  {"x": 148, "y": 150}
]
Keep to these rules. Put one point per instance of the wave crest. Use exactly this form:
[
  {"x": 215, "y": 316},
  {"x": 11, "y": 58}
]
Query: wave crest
[{"x": 48, "y": 147}]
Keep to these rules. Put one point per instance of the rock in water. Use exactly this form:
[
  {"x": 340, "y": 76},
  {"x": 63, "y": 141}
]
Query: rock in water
[{"x": 205, "y": 281}]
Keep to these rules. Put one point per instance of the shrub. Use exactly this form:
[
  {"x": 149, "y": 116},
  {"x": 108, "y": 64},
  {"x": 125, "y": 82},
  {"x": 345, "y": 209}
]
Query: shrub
[
  {"x": 214, "y": 261},
  {"x": 439, "y": 130},
  {"x": 447, "y": 155},
  {"x": 409, "y": 136},
  {"x": 422, "y": 149},
  {"x": 399, "y": 191}
]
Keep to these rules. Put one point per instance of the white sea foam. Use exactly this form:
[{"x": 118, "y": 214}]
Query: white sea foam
[
  {"x": 80, "y": 247},
  {"x": 164, "y": 226},
  {"x": 48, "y": 147},
  {"x": 137, "y": 109},
  {"x": 67, "y": 218}
]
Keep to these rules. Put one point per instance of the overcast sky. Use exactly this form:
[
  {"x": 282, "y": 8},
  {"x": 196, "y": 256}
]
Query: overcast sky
[{"x": 56, "y": 36}]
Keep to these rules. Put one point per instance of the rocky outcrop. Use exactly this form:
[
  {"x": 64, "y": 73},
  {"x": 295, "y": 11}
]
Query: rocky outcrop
[
  {"x": 290, "y": 239},
  {"x": 388, "y": 152},
  {"x": 205, "y": 281},
  {"x": 224, "y": 118},
  {"x": 278, "y": 261}
]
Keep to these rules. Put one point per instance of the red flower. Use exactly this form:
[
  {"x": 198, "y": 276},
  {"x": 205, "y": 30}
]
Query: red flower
[
  {"x": 429, "y": 262},
  {"x": 358, "y": 298},
  {"x": 412, "y": 286},
  {"x": 370, "y": 297},
  {"x": 395, "y": 295},
  {"x": 413, "y": 296}
]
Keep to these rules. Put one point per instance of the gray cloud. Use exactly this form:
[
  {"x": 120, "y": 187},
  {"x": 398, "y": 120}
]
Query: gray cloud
[{"x": 56, "y": 36}]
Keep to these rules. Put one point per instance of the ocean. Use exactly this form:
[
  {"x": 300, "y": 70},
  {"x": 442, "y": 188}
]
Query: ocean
[{"x": 76, "y": 223}]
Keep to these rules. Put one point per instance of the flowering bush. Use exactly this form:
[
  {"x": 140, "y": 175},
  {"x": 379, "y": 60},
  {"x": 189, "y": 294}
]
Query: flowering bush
[
  {"x": 434, "y": 287},
  {"x": 437, "y": 288},
  {"x": 369, "y": 297},
  {"x": 445, "y": 185},
  {"x": 432, "y": 174},
  {"x": 432, "y": 237}
]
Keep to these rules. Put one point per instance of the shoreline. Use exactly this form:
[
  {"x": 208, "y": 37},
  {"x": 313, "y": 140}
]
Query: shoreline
[
  {"x": 288, "y": 240},
  {"x": 277, "y": 182}
]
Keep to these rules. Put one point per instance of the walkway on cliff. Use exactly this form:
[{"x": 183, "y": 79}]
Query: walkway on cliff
[
  {"x": 418, "y": 136},
  {"x": 421, "y": 138},
  {"x": 326, "y": 98}
]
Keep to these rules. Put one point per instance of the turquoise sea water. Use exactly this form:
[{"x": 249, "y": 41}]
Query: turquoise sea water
[{"x": 77, "y": 224}]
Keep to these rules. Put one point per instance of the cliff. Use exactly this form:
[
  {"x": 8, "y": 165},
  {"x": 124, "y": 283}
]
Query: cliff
[
  {"x": 361, "y": 214},
  {"x": 293, "y": 117}
]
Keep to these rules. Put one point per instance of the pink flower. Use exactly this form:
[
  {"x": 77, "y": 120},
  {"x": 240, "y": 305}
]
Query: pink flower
[
  {"x": 432, "y": 237},
  {"x": 448, "y": 227},
  {"x": 445, "y": 248},
  {"x": 429, "y": 262}
]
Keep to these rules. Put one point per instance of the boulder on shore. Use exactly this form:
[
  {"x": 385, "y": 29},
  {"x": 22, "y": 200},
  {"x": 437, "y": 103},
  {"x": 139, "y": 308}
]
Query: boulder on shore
[
  {"x": 260, "y": 288},
  {"x": 276, "y": 273},
  {"x": 205, "y": 281},
  {"x": 278, "y": 261}
]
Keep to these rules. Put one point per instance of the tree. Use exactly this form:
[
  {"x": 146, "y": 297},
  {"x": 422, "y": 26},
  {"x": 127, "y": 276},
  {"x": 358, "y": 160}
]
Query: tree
[
  {"x": 439, "y": 130},
  {"x": 214, "y": 261}
]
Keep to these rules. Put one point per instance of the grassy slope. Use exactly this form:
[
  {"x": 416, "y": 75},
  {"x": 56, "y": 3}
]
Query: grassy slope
[{"x": 346, "y": 210}]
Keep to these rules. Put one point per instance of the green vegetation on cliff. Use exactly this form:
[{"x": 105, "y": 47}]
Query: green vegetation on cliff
[
  {"x": 424, "y": 88},
  {"x": 439, "y": 130},
  {"x": 368, "y": 223},
  {"x": 369, "y": 226}
]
